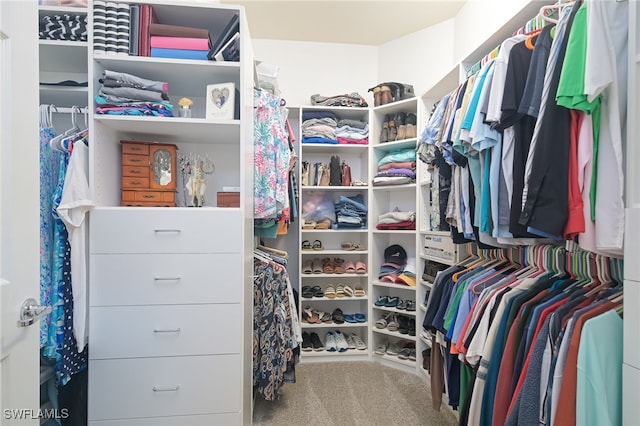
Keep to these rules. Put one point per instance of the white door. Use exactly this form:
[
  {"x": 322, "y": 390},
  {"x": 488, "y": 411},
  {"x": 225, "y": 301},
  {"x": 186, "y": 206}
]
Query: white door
[{"x": 19, "y": 210}]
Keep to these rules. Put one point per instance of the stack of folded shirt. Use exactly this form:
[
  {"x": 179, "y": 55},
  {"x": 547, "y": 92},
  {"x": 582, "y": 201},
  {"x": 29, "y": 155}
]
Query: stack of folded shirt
[
  {"x": 319, "y": 127},
  {"x": 351, "y": 212},
  {"x": 352, "y": 132},
  {"x": 395, "y": 258},
  {"x": 126, "y": 94},
  {"x": 397, "y": 220},
  {"x": 63, "y": 26},
  {"x": 396, "y": 168}
]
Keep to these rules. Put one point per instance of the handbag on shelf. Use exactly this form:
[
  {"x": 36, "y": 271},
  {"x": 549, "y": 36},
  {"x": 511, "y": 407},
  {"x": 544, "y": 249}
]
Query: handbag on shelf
[
  {"x": 345, "y": 172},
  {"x": 325, "y": 177},
  {"x": 336, "y": 175}
]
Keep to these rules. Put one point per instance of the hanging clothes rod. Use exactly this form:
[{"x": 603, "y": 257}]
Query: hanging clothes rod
[{"x": 68, "y": 110}]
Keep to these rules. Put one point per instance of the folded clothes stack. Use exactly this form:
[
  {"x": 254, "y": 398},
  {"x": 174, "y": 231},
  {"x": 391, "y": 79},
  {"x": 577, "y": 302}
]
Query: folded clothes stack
[
  {"x": 396, "y": 220},
  {"x": 396, "y": 168},
  {"x": 319, "y": 127},
  {"x": 127, "y": 94},
  {"x": 351, "y": 212},
  {"x": 345, "y": 100},
  {"x": 352, "y": 132},
  {"x": 63, "y": 26}
]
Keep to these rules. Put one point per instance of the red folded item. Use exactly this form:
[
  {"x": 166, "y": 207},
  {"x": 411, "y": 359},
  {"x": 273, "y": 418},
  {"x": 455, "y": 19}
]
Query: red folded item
[
  {"x": 397, "y": 225},
  {"x": 184, "y": 43}
]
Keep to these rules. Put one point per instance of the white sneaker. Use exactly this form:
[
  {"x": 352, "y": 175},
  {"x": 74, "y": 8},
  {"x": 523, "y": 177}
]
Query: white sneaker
[
  {"x": 341, "y": 341},
  {"x": 350, "y": 342},
  {"x": 330, "y": 342},
  {"x": 359, "y": 344}
]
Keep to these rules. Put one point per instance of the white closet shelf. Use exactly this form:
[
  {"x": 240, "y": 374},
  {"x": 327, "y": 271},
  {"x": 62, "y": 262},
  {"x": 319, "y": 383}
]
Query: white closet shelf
[
  {"x": 326, "y": 354},
  {"x": 45, "y": 10},
  {"x": 334, "y": 325},
  {"x": 392, "y": 285},
  {"x": 394, "y": 310},
  {"x": 438, "y": 259},
  {"x": 334, "y": 276},
  {"x": 422, "y": 307},
  {"x": 394, "y": 359},
  {"x": 64, "y": 95},
  {"x": 332, "y": 252},
  {"x": 195, "y": 130},
  {"x": 394, "y": 188},
  {"x": 390, "y": 231},
  {"x": 440, "y": 233},
  {"x": 426, "y": 283},
  {"x": 395, "y": 145},
  {"x": 334, "y": 188},
  {"x": 393, "y": 333},
  {"x": 340, "y": 299},
  {"x": 336, "y": 231},
  {"x": 65, "y": 43},
  {"x": 396, "y": 106},
  {"x": 425, "y": 340}
]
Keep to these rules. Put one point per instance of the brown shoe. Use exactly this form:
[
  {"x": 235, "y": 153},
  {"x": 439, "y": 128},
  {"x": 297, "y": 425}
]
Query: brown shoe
[
  {"x": 384, "y": 134},
  {"x": 393, "y": 130},
  {"x": 377, "y": 96}
]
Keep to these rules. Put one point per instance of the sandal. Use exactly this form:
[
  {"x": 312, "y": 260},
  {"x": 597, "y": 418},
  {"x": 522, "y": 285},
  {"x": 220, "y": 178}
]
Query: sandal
[
  {"x": 349, "y": 267},
  {"x": 325, "y": 317},
  {"x": 381, "y": 348},
  {"x": 317, "y": 245},
  {"x": 359, "y": 291},
  {"x": 307, "y": 268},
  {"x": 384, "y": 321},
  {"x": 350, "y": 318},
  {"x": 361, "y": 268},
  {"x": 330, "y": 292},
  {"x": 309, "y": 224},
  {"x": 393, "y": 324},
  {"x": 317, "y": 291},
  {"x": 348, "y": 291},
  {"x": 317, "y": 266},
  {"x": 348, "y": 246},
  {"x": 338, "y": 316},
  {"x": 306, "y": 245},
  {"x": 310, "y": 315},
  {"x": 307, "y": 292},
  {"x": 360, "y": 317},
  {"x": 358, "y": 247},
  {"x": 340, "y": 290},
  {"x": 327, "y": 266},
  {"x": 323, "y": 224},
  {"x": 338, "y": 268}
]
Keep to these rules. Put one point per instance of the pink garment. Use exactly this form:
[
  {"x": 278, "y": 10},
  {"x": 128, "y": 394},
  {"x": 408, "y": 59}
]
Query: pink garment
[
  {"x": 184, "y": 43},
  {"x": 351, "y": 141},
  {"x": 404, "y": 165}
]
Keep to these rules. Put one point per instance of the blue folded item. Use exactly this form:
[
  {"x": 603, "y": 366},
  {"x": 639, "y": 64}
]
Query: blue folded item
[
  {"x": 157, "y": 52},
  {"x": 318, "y": 139}
]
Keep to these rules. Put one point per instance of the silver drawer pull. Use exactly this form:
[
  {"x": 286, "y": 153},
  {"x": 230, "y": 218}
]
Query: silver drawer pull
[
  {"x": 168, "y": 389},
  {"x": 166, "y": 278},
  {"x": 166, "y": 330},
  {"x": 167, "y": 231}
]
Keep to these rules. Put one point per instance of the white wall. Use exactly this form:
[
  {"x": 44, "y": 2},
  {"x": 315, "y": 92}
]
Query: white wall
[
  {"x": 307, "y": 68},
  {"x": 420, "y": 58}
]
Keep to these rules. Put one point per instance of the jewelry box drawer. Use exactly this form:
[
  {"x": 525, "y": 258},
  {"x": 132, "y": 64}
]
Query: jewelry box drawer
[
  {"x": 164, "y": 279},
  {"x": 149, "y": 196},
  {"x": 135, "y": 148},
  {"x": 158, "y": 230},
  {"x": 169, "y": 330},
  {"x": 170, "y": 386},
  {"x": 133, "y": 171},
  {"x": 135, "y": 182},
  {"x": 135, "y": 160}
]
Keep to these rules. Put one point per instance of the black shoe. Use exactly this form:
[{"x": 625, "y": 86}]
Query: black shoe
[
  {"x": 410, "y": 118},
  {"x": 403, "y": 325},
  {"x": 411, "y": 328},
  {"x": 316, "y": 342},
  {"x": 306, "y": 342}
]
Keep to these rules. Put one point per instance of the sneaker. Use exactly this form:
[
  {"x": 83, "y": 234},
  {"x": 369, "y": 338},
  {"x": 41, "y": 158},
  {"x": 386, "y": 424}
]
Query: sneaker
[
  {"x": 330, "y": 342},
  {"x": 359, "y": 344},
  {"x": 381, "y": 349},
  {"x": 351, "y": 344},
  {"x": 316, "y": 342},
  {"x": 307, "y": 346},
  {"x": 341, "y": 341}
]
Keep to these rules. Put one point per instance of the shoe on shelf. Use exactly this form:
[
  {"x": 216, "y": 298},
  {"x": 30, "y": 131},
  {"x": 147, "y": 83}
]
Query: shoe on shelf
[
  {"x": 392, "y": 302},
  {"x": 338, "y": 316},
  {"x": 350, "y": 318},
  {"x": 359, "y": 291},
  {"x": 382, "y": 301},
  {"x": 307, "y": 346},
  {"x": 402, "y": 304},
  {"x": 360, "y": 317},
  {"x": 360, "y": 345},
  {"x": 316, "y": 342},
  {"x": 393, "y": 129},
  {"x": 381, "y": 348},
  {"x": 411, "y": 327},
  {"x": 341, "y": 341},
  {"x": 393, "y": 349},
  {"x": 410, "y": 306},
  {"x": 330, "y": 342},
  {"x": 351, "y": 344},
  {"x": 384, "y": 133},
  {"x": 403, "y": 325}
]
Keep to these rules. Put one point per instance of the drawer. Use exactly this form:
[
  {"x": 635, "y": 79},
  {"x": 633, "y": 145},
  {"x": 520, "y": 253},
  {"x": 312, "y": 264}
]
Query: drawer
[
  {"x": 135, "y": 182},
  {"x": 153, "y": 230},
  {"x": 135, "y": 148},
  {"x": 164, "y": 279},
  {"x": 169, "y": 330},
  {"x": 135, "y": 160},
  {"x": 222, "y": 419},
  {"x": 157, "y": 387},
  {"x": 133, "y": 171}
]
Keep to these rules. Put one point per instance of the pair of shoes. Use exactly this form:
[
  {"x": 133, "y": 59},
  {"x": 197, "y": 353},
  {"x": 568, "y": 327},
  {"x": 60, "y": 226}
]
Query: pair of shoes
[
  {"x": 355, "y": 318},
  {"x": 426, "y": 359},
  {"x": 349, "y": 246},
  {"x": 407, "y": 305},
  {"x": 335, "y": 341},
  {"x": 317, "y": 245},
  {"x": 359, "y": 291},
  {"x": 355, "y": 268},
  {"x": 381, "y": 348},
  {"x": 308, "y": 292},
  {"x": 338, "y": 316},
  {"x": 333, "y": 266},
  {"x": 355, "y": 342},
  {"x": 307, "y": 346},
  {"x": 407, "y": 350},
  {"x": 316, "y": 343}
]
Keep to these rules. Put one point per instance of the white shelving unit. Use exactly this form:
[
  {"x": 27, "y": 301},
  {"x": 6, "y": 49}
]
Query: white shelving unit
[
  {"x": 169, "y": 272},
  {"x": 357, "y": 157}
]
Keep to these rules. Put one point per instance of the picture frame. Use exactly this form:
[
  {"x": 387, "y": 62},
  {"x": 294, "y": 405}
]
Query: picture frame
[{"x": 220, "y": 101}]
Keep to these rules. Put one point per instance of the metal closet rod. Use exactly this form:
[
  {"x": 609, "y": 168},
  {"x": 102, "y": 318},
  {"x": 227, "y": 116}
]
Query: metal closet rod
[{"x": 69, "y": 110}]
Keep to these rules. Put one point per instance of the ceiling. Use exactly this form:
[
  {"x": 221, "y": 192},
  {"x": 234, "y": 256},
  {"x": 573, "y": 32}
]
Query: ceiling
[{"x": 352, "y": 22}]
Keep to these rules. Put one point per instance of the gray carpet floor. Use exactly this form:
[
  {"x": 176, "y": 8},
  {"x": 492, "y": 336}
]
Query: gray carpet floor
[{"x": 351, "y": 393}]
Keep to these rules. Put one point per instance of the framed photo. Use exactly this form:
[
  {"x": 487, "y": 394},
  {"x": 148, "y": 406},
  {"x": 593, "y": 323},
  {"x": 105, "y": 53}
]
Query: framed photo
[{"x": 220, "y": 101}]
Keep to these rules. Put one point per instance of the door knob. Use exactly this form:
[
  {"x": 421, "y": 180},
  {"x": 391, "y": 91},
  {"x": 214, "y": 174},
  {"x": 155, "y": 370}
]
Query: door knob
[{"x": 31, "y": 312}]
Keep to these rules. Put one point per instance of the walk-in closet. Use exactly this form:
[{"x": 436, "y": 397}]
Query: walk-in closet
[{"x": 226, "y": 220}]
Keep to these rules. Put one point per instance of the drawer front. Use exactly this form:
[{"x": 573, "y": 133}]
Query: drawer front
[
  {"x": 157, "y": 387},
  {"x": 439, "y": 246},
  {"x": 164, "y": 279},
  {"x": 223, "y": 419},
  {"x": 133, "y": 171},
  {"x": 166, "y": 231},
  {"x": 135, "y": 182},
  {"x": 135, "y": 148},
  {"x": 135, "y": 160},
  {"x": 169, "y": 330}
]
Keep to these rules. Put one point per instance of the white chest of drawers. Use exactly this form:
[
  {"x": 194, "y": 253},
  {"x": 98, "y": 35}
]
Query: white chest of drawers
[{"x": 165, "y": 325}]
